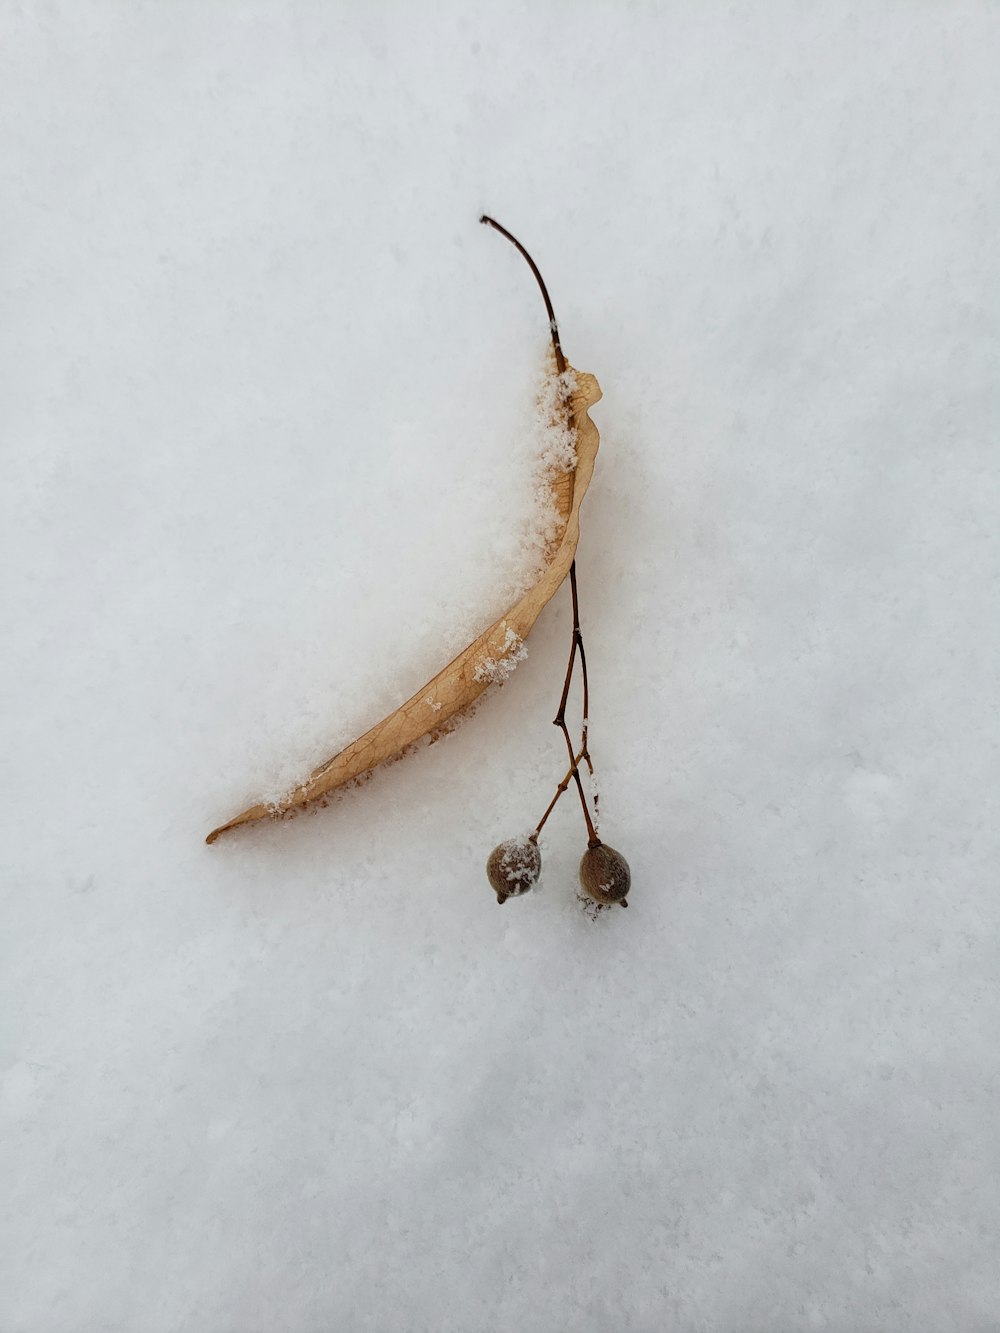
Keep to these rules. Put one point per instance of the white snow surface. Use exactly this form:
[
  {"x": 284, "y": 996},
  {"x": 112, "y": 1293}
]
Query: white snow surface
[{"x": 267, "y": 398}]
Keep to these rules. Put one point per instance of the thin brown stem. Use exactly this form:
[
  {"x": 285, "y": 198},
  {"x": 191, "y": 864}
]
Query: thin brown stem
[
  {"x": 560, "y": 717},
  {"x": 585, "y": 731},
  {"x": 578, "y": 636},
  {"x": 559, "y": 791},
  {"x": 553, "y": 326},
  {"x": 577, "y": 645}
]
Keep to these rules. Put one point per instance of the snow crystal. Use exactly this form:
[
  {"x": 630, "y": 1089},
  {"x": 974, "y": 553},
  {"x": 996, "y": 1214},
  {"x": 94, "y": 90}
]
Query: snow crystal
[
  {"x": 497, "y": 670},
  {"x": 516, "y": 864},
  {"x": 594, "y": 790},
  {"x": 555, "y": 447}
]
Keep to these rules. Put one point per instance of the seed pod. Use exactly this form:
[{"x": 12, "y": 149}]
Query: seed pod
[
  {"x": 605, "y": 875},
  {"x": 514, "y": 867}
]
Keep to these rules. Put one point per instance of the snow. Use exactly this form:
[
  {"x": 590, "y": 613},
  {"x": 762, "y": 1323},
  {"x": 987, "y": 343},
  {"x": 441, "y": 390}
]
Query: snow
[
  {"x": 498, "y": 670},
  {"x": 268, "y": 396}
]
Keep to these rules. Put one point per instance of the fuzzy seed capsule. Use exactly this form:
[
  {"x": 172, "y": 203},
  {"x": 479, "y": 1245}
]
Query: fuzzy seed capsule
[
  {"x": 514, "y": 867},
  {"x": 605, "y": 876}
]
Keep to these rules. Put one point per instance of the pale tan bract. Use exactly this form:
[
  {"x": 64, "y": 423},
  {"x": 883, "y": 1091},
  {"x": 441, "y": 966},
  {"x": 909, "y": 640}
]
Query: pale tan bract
[{"x": 485, "y": 660}]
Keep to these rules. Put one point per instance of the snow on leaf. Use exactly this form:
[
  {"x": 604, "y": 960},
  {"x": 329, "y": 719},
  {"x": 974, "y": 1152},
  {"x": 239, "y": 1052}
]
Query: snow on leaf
[
  {"x": 490, "y": 657},
  {"x": 497, "y": 670}
]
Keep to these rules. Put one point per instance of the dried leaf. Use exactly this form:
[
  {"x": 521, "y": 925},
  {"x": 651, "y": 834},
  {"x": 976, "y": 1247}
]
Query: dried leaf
[{"x": 488, "y": 659}]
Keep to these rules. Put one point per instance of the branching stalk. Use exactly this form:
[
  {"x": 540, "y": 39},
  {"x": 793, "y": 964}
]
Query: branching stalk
[
  {"x": 559, "y": 791},
  {"x": 577, "y": 643}
]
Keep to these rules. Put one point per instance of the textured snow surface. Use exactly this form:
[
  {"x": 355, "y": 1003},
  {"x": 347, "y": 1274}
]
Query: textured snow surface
[{"x": 268, "y": 393}]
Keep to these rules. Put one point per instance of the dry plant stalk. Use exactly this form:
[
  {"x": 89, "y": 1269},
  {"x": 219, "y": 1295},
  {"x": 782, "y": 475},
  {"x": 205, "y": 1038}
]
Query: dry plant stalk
[
  {"x": 488, "y": 657},
  {"x": 514, "y": 867}
]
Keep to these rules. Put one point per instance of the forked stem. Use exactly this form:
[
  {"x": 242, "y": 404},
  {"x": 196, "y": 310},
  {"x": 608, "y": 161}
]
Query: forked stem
[
  {"x": 577, "y": 644},
  {"x": 559, "y": 791},
  {"x": 560, "y": 717}
]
